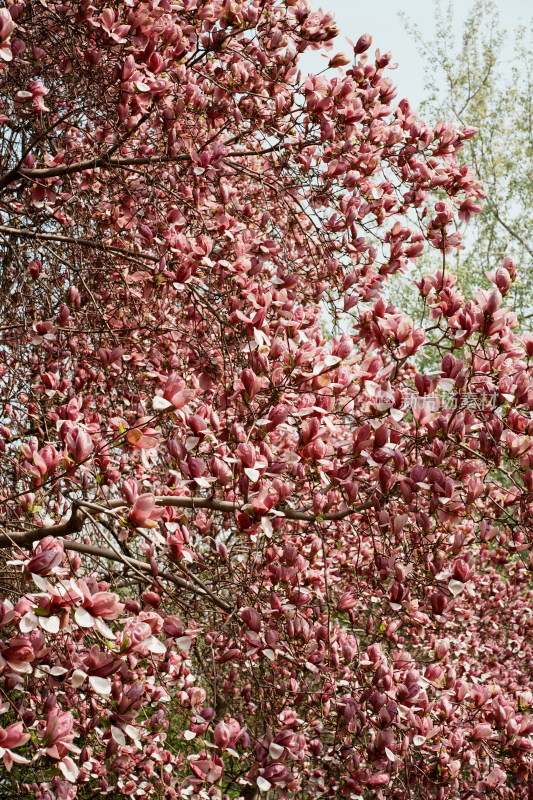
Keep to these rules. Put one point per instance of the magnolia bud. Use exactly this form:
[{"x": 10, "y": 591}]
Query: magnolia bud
[
  {"x": 151, "y": 598},
  {"x": 346, "y": 602},
  {"x": 338, "y": 60},
  {"x": 222, "y": 735},
  {"x": 438, "y": 602},
  {"x": 43, "y": 563},
  {"x": 362, "y": 44},
  {"x": 441, "y": 647},
  {"x": 251, "y": 618}
]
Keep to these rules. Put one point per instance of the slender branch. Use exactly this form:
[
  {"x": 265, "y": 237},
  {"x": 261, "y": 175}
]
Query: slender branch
[
  {"x": 199, "y": 583},
  {"x": 111, "y": 555},
  {"x": 510, "y": 230}
]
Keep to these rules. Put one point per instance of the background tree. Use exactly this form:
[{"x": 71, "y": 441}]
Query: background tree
[
  {"x": 239, "y": 557},
  {"x": 485, "y": 80}
]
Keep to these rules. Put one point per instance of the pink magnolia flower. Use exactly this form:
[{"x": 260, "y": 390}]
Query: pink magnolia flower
[
  {"x": 11, "y": 737},
  {"x": 482, "y": 731},
  {"x": 207, "y": 768},
  {"x": 101, "y": 604},
  {"x": 144, "y": 513},
  {"x": 222, "y": 735},
  {"x": 79, "y": 444},
  {"x": 346, "y": 602},
  {"x": 174, "y": 395},
  {"x": 98, "y": 663},
  {"x": 19, "y": 653},
  {"x": 134, "y": 634},
  {"x": 48, "y": 554},
  {"x": 58, "y": 734},
  {"x": 362, "y": 44},
  {"x": 7, "y": 26}
]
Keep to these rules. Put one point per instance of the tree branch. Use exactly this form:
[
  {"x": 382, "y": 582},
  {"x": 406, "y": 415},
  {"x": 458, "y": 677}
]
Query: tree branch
[
  {"x": 510, "y": 230},
  {"x": 41, "y": 173},
  {"x": 52, "y": 237},
  {"x": 75, "y": 523},
  {"x": 106, "y": 163},
  {"x": 110, "y": 555},
  {"x": 27, "y": 538}
]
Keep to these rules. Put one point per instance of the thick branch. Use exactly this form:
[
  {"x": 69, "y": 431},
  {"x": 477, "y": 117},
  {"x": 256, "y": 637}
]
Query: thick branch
[
  {"x": 41, "y": 173},
  {"x": 25, "y": 538},
  {"x": 226, "y": 507},
  {"x": 52, "y": 237},
  {"x": 106, "y": 163}
]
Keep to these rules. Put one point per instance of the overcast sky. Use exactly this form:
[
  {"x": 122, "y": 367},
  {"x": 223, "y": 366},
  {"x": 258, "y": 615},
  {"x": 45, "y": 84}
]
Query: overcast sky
[{"x": 380, "y": 18}]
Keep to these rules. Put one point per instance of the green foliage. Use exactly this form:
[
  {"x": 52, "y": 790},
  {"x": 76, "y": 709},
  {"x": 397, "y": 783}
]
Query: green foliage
[{"x": 484, "y": 80}]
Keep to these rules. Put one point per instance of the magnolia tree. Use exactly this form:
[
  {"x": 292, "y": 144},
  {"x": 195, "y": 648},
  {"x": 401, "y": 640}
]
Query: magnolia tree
[{"x": 240, "y": 559}]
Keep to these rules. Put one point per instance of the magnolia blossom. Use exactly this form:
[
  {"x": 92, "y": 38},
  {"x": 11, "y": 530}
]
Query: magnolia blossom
[{"x": 12, "y": 737}]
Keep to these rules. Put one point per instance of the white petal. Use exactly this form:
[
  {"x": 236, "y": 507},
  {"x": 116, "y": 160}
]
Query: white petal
[
  {"x": 160, "y": 404},
  {"x": 291, "y": 457},
  {"x": 83, "y": 618},
  {"x": 418, "y": 740},
  {"x": 77, "y": 678},
  {"x": 100, "y": 685},
  {"x": 154, "y": 645},
  {"x": 28, "y": 622},
  {"x": 253, "y": 474},
  {"x": 118, "y": 735},
  {"x": 18, "y": 759},
  {"x": 270, "y": 654},
  {"x": 57, "y": 671},
  {"x": 22, "y": 667},
  {"x": 275, "y": 751},
  {"x": 390, "y": 755},
  {"x": 49, "y": 624},
  {"x": 6, "y": 53},
  {"x": 69, "y": 769},
  {"x": 40, "y": 582},
  {"x": 104, "y": 629},
  {"x": 263, "y": 784},
  {"x": 331, "y": 360},
  {"x": 184, "y": 643},
  {"x": 456, "y": 587},
  {"x": 133, "y": 733},
  {"x": 188, "y": 735}
]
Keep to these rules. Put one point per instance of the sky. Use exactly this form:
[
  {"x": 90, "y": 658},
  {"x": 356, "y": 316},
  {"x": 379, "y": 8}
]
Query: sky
[{"x": 380, "y": 18}]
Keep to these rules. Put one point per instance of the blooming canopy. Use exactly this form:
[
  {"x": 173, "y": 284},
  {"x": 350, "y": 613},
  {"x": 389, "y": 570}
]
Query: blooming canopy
[{"x": 243, "y": 556}]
